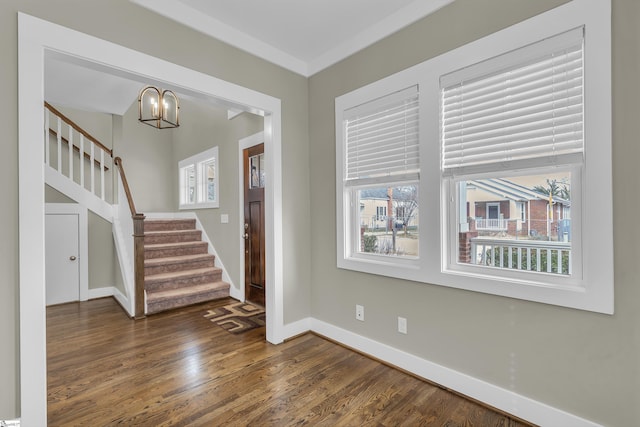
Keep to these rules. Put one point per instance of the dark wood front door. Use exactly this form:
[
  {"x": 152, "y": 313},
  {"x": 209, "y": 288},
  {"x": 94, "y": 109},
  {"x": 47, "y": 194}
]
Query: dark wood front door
[{"x": 254, "y": 181}]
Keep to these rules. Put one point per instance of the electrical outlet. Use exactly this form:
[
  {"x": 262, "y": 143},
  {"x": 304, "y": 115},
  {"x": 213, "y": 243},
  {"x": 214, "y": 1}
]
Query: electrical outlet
[
  {"x": 402, "y": 325},
  {"x": 360, "y": 313}
]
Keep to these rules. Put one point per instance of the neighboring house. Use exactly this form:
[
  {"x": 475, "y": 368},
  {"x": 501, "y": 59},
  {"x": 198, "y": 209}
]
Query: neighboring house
[
  {"x": 378, "y": 210},
  {"x": 504, "y": 206}
]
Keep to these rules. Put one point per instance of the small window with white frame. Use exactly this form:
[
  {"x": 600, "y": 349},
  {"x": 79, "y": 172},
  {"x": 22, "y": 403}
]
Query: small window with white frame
[
  {"x": 198, "y": 180},
  {"x": 381, "y": 172}
]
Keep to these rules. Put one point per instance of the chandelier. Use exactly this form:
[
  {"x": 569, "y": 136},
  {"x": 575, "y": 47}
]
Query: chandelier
[{"x": 158, "y": 109}]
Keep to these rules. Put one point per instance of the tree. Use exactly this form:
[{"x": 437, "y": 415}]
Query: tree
[
  {"x": 405, "y": 204},
  {"x": 554, "y": 188}
]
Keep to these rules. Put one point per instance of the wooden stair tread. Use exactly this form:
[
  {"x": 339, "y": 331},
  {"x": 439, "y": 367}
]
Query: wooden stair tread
[
  {"x": 181, "y": 274},
  {"x": 168, "y": 294},
  {"x": 168, "y": 220},
  {"x": 170, "y": 224},
  {"x": 175, "y": 245},
  {"x": 175, "y": 259},
  {"x": 169, "y": 232}
]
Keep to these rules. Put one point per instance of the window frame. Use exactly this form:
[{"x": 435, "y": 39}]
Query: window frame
[
  {"x": 591, "y": 289},
  {"x": 348, "y": 226},
  {"x": 199, "y": 163}
]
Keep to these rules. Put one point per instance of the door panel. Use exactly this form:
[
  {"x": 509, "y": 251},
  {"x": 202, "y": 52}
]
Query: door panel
[
  {"x": 254, "y": 181},
  {"x": 256, "y": 252},
  {"x": 62, "y": 267}
]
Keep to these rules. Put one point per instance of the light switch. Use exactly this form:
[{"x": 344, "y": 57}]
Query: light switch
[{"x": 224, "y": 218}]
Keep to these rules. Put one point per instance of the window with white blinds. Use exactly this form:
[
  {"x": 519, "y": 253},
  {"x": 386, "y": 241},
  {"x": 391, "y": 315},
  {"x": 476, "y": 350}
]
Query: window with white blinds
[
  {"x": 382, "y": 139},
  {"x": 521, "y": 108}
]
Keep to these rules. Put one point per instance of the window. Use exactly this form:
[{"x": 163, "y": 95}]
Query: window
[
  {"x": 381, "y": 171},
  {"x": 256, "y": 163},
  {"x": 522, "y": 211},
  {"x": 198, "y": 180},
  {"x": 512, "y": 150},
  {"x": 523, "y": 110}
]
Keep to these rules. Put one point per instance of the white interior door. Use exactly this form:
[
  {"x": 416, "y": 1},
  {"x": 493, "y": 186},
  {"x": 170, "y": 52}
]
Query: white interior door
[{"x": 62, "y": 250}]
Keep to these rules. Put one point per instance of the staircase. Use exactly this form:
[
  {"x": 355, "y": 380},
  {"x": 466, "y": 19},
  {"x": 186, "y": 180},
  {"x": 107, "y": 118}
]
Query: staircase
[
  {"x": 178, "y": 270},
  {"x": 164, "y": 260}
]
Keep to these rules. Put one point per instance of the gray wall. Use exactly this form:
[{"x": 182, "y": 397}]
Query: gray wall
[
  {"x": 202, "y": 127},
  {"x": 581, "y": 362},
  {"x": 146, "y": 154},
  {"x": 126, "y": 24}
]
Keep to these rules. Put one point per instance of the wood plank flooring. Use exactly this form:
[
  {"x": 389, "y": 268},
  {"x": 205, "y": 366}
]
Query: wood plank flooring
[{"x": 179, "y": 369}]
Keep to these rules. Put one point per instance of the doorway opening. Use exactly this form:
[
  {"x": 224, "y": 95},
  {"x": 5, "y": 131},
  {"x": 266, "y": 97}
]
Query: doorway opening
[{"x": 36, "y": 36}]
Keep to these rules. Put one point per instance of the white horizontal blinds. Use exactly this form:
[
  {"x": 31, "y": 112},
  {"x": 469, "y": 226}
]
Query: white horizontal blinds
[
  {"x": 382, "y": 139},
  {"x": 523, "y": 107}
]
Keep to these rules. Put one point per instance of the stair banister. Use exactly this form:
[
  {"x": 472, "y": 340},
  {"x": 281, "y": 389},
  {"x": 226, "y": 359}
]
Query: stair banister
[
  {"x": 78, "y": 129},
  {"x": 138, "y": 243},
  {"x": 96, "y": 159}
]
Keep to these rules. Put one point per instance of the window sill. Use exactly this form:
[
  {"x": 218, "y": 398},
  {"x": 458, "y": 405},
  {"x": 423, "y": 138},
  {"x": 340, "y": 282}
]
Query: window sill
[{"x": 212, "y": 205}]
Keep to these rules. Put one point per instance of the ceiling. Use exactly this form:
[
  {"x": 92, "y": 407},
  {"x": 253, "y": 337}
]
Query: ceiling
[{"x": 304, "y": 36}]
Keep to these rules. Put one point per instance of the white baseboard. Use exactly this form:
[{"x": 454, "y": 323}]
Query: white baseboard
[
  {"x": 111, "y": 291},
  {"x": 297, "y": 328},
  {"x": 107, "y": 291},
  {"x": 497, "y": 397},
  {"x": 235, "y": 293}
]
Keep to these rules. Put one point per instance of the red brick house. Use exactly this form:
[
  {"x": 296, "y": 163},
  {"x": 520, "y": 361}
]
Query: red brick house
[{"x": 502, "y": 206}]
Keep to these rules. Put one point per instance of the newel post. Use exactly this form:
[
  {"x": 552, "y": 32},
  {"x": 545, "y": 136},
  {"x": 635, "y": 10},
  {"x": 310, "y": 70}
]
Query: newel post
[{"x": 138, "y": 267}]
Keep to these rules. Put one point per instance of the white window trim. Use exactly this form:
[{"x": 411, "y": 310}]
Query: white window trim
[
  {"x": 593, "y": 289},
  {"x": 197, "y": 161}
]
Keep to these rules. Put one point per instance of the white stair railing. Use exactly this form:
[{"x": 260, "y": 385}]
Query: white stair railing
[{"x": 90, "y": 155}]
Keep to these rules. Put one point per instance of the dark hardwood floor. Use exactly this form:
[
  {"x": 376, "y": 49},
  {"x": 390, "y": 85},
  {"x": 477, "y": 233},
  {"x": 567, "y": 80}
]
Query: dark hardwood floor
[{"x": 178, "y": 368}]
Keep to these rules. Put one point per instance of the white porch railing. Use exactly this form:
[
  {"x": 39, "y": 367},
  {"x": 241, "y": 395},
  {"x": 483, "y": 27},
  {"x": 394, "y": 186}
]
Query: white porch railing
[
  {"x": 526, "y": 255},
  {"x": 491, "y": 224}
]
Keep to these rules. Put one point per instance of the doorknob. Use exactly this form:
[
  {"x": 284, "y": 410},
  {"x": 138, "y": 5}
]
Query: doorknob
[
  {"x": 72, "y": 258},
  {"x": 245, "y": 236}
]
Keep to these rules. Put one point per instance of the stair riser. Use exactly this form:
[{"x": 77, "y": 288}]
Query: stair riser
[
  {"x": 183, "y": 266},
  {"x": 191, "y": 236},
  {"x": 182, "y": 224},
  {"x": 171, "y": 252},
  {"x": 157, "y": 285},
  {"x": 158, "y": 306}
]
